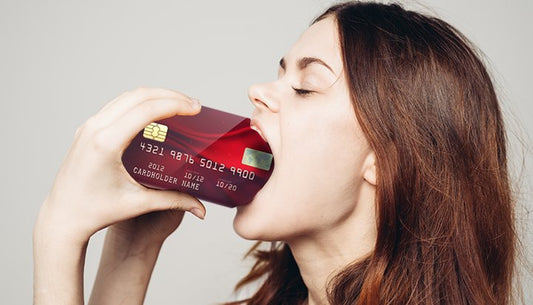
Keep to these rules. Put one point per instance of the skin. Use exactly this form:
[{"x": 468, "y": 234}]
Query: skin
[
  {"x": 92, "y": 190},
  {"x": 320, "y": 198}
]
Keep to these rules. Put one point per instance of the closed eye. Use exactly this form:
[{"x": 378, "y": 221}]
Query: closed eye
[{"x": 302, "y": 92}]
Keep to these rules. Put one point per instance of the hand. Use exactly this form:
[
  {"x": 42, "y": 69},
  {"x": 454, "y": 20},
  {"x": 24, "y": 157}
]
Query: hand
[
  {"x": 93, "y": 190},
  {"x": 148, "y": 230}
]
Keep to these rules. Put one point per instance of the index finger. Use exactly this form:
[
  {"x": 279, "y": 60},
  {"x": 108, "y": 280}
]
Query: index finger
[
  {"x": 127, "y": 126},
  {"x": 129, "y": 99}
]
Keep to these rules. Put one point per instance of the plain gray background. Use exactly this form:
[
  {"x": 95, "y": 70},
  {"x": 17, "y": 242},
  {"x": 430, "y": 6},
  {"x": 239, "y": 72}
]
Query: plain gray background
[{"x": 60, "y": 61}]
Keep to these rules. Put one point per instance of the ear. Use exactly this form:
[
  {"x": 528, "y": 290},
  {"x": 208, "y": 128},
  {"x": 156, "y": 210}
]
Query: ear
[{"x": 369, "y": 168}]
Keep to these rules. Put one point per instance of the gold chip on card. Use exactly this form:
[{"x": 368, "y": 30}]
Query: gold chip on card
[
  {"x": 156, "y": 132},
  {"x": 257, "y": 159}
]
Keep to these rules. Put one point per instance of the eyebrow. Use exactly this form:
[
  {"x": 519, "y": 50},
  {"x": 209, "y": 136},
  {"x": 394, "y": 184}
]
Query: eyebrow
[{"x": 306, "y": 61}]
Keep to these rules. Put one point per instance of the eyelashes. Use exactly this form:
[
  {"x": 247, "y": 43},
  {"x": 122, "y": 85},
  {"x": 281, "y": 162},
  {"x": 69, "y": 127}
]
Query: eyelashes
[{"x": 302, "y": 92}]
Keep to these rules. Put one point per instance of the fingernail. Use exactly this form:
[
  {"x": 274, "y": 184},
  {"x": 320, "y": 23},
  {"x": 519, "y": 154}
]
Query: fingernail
[
  {"x": 197, "y": 212},
  {"x": 195, "y": 103}
]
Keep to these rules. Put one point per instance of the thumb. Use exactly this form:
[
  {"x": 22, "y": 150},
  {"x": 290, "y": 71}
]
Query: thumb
[{"x": 161, "y": 200}]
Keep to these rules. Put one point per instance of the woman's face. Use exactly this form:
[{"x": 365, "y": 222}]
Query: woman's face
[{"x": 319, "y": 149}]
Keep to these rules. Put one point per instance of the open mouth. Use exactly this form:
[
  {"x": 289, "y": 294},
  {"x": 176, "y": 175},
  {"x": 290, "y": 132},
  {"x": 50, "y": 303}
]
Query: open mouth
[{"x": 254, "y": 126}]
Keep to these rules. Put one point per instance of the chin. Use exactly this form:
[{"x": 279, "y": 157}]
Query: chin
[
  {"x": 253, "y": 224},
  {"x": 266, "y": 218},
  {"x": 252, "y": 220},
  {"x": 244, "y": 224}
]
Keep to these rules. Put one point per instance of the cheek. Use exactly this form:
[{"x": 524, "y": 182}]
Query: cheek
[
  {"x": 315, "y": 182},
  {"x": 324, "y": 148}
]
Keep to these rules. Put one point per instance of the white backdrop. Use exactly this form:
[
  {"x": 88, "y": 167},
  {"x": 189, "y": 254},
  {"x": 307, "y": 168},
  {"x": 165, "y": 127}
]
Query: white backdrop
[{"x": 60, "y": 61}]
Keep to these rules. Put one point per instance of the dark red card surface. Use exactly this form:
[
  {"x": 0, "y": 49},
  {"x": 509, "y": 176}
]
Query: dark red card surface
[{"x": 214, "y": 156}]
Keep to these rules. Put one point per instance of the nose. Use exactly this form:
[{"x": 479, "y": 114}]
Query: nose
[{"x": 263, "y": 97}]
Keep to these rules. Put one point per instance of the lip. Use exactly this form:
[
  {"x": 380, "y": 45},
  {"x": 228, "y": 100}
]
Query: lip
[{"x": 255, "y": 125}]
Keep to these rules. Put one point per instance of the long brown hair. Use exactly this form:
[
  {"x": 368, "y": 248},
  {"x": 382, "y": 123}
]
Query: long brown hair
[{"x": 445, "y": 221}]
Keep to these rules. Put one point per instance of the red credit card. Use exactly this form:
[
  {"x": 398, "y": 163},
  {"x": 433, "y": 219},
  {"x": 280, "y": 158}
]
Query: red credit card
[{"x": 214, "y": 156}]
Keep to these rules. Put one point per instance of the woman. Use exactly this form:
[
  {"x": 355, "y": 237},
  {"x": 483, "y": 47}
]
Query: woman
[{"x": 390, "y": 185}]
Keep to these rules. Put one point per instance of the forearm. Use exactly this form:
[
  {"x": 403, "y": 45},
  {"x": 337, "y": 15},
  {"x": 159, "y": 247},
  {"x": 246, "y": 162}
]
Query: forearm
[
  {"x": 58, "y": 269},
  {"x": 124, "y": 272},
  {"x": 92, "y": 191}
]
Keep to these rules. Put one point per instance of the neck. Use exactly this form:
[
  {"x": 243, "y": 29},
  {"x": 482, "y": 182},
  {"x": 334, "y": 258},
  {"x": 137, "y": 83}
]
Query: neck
[{"x": 320, "y": 256}]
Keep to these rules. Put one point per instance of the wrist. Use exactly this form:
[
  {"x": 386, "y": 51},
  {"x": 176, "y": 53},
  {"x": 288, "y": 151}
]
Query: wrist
[
  {"x": 129, "y": 244},
  {"x": 52, "y": 230},
  {"x": 125, "y": 269},
  {"x": 58, "y": 262}
]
